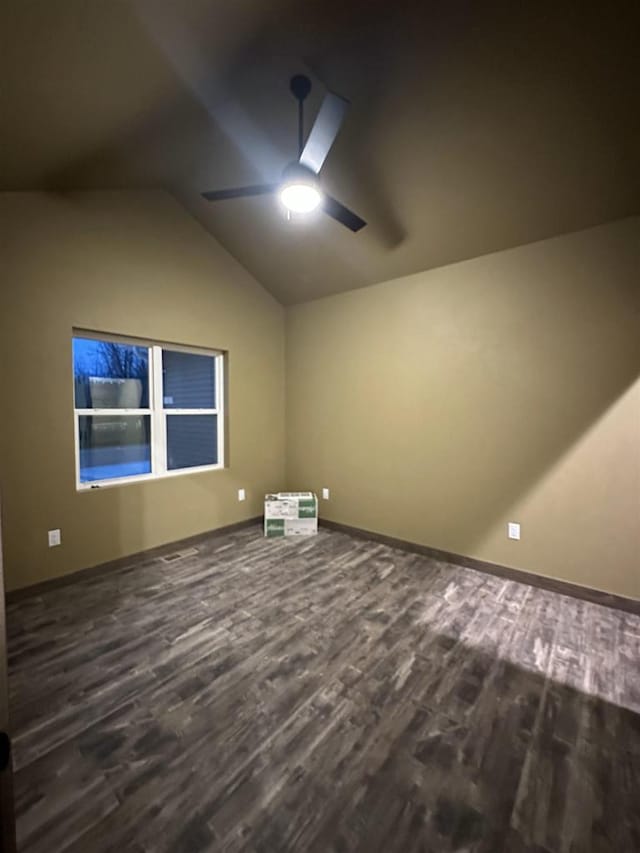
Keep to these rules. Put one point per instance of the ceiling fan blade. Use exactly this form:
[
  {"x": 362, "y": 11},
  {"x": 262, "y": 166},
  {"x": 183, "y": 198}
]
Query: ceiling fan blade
[
  {"x": 240, "y": 192},
  {"x": 342, "y": 214},
  {"x": 324, "y": 131}
]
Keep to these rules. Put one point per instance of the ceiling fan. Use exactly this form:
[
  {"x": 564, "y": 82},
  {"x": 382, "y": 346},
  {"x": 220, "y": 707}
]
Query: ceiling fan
[{"x": 299, "y": 189}]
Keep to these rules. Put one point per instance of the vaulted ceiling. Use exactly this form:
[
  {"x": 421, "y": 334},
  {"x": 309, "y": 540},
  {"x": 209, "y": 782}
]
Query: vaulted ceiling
[{"x": 474, "y": 127}]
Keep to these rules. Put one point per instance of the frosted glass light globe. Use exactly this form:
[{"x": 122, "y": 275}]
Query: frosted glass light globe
[{"x": 300, "y": 197}]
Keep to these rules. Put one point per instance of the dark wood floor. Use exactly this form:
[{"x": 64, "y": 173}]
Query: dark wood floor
[{"x": 322, "y": 694}]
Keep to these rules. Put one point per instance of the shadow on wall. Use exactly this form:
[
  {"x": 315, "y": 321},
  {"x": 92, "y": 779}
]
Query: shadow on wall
[
  {"x": 460, "y": 389},
  {"x": 539, "y": 373},
  {"x": 515, "y": 478}
]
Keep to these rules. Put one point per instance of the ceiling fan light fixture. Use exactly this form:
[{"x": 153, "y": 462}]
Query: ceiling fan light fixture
[
  {"x": 300, "y": 197},
  {"x": 299, "y": 191}
]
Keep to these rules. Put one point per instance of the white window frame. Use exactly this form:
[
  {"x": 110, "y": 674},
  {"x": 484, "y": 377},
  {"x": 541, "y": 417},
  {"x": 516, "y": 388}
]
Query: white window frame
[{"x": 156, "y": 411}]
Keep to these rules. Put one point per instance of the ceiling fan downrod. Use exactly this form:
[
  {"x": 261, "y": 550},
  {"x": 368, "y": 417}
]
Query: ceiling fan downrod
[{"x": 300, "y": 87}]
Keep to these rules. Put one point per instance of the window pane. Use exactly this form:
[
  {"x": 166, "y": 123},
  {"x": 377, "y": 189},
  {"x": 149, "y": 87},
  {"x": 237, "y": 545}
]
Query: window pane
[
  {"x": 191, "y": 440},
  {"x": 188, "y": 380},
  {"x": 110, "y": 375},
  {"x": 114, "y": 446}
]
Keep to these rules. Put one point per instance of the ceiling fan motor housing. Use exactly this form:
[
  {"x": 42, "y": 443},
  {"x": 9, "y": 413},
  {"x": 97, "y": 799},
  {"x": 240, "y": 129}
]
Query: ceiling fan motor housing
[
  {"x": 300, "y": 86},
  {"x": 296, "y": 173}
]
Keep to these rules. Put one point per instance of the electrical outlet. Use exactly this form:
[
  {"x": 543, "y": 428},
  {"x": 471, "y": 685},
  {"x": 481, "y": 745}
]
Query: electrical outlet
[
  {"x": 242, "y": 495},
  {"x": 325, "y": 494},
  {"x": 513, "y": 530},
  {"x": 54, "y": 538}
]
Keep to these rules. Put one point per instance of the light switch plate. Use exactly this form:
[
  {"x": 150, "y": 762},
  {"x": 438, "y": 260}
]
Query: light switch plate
[
  {"x": 54, "y": 538},
  {"x": 513, "y": 530},
  {"x": 241, "y": 495},
  {"x": 325, "y": 494}
]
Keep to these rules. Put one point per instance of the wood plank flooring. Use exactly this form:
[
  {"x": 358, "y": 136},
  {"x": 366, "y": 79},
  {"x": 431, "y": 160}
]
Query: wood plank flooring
[{"x": 321, "y": 694}]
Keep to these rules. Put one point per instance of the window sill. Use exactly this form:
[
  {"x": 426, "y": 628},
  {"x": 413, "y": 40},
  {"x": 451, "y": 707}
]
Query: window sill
[{"x": 98, "y": 485}]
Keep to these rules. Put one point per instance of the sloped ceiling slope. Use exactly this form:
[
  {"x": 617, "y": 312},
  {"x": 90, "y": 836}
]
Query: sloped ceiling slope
[{"x": 474, "y": 127}]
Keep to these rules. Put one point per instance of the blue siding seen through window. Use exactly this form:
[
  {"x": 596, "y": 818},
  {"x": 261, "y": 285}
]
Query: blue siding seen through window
[
  {"x": 188, "y": 380},
  {"x": 192, "y": 440}
]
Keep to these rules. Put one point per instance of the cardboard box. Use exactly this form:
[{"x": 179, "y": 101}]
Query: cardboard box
[{"x": 291, "y": 514}]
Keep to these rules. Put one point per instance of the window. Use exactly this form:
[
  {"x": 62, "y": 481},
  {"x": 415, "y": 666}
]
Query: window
[{"x": 144, "y": 410}]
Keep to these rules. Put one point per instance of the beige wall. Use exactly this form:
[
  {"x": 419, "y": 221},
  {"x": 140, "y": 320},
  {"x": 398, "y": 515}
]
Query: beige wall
[
  {"x": 134, "y": 264},
  {"x": 436, "y": 407},
  {"x": 439, "y": 406}
]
